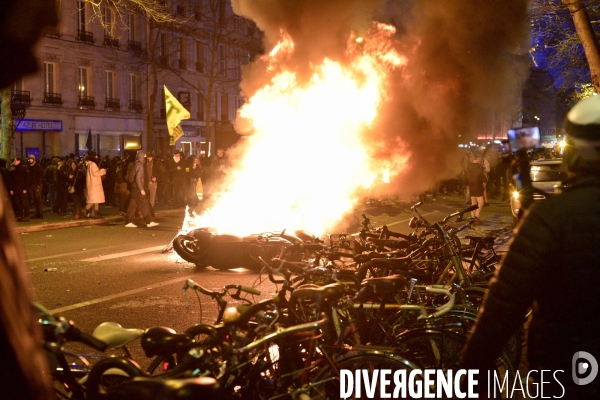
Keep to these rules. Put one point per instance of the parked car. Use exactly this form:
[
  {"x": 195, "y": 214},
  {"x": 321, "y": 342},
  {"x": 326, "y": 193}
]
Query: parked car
[{"x": 546, "y": 178}]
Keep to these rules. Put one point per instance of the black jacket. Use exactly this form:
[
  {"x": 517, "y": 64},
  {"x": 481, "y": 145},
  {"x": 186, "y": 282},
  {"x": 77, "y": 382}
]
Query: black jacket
[
  {"x": 19, "y": 178},
  {"x": 553, "y": 265},
  {"x": 36, "y": 175}
]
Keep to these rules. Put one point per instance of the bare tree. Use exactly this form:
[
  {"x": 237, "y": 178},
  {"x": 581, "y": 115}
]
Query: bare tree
[
  {"x": 565, "y": 44},
  {"x": 223, "y": 43},
  {"x": 587, "y": 37}
]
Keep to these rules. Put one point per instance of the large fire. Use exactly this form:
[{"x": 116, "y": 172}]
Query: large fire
[{"x": 307, "y": 155}]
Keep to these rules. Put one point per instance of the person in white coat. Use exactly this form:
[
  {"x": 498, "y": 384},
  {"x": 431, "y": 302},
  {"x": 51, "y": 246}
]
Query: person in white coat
[{"x": 94, "y": 194}]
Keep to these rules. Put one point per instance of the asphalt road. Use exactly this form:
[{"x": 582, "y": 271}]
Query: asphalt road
[{"x": 98, "y": 273}]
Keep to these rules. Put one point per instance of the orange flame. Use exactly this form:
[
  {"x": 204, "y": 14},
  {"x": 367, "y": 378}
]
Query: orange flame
[{"x": 304, "y": 161}]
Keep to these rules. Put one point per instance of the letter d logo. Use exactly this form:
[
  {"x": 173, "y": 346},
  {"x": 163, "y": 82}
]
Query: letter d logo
[{"x": 580, "y": 368}]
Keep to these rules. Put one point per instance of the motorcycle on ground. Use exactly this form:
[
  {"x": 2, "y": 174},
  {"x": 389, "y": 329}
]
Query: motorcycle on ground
[{"x": 204, "y": 247}]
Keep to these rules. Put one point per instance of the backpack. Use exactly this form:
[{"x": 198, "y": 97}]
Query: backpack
[{"x": 130, "y": 173}]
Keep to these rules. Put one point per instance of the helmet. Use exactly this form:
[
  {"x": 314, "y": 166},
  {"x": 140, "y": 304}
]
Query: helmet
[{"x": 582, "y": 124}]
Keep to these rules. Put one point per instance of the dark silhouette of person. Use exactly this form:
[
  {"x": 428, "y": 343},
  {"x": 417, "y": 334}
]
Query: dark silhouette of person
[{"x": 23, "y": 370}]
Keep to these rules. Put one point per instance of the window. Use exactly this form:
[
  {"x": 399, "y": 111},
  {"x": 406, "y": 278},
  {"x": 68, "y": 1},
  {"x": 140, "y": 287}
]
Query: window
[
  {"x": 164, "y": 45},
  {"x": 180, "y": 8},
  {"x": 201, "y": 116},
  {"x": 222, "y": 11},
  {"x": 225, "y": 107},
  {"x": 163, "y": 60},
  {"x": 131, "y": 28},
  {"x": 182, "y": 54},
  {"x": 111, "y": 85},
  {"x": 108, "y": 21},
  {"x": 81, "y": 17},
  {"x": 49, "y": 77},
  {"x": 83, "y": 35},
  {"x": 83, "y": 82},
  {"x": 132, "y": 34},
  {"x": 134, "y": 90},
  {"x": 135, "y": 104},
  {"x": 237, "y": 59},
  {"x": 18, "y": 85},
  {"x": 198, "y": 10},
  {"x": 222, "y": 60},
  {"x": 85, "y": 100},
  {"x": 51, "y": 98},
  {"x": 200, "y": 64}
]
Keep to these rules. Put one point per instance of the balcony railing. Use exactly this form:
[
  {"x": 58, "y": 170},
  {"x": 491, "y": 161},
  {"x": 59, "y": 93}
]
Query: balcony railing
[
  {"x": 85, "y": 37},
  {"x": 86, "y": 102},
  {"x": 20, "y": 97},
  {"x": 181, "y": 63},
  {"x": 136, "y": 105},
  {"x": 163, "y": 61},
  {"x": 52, "y": 99},
  {"x": 110, "y": 41},
  {"x": 200, "y": 67},
  {"x": 113, "y": 104},
  {"x": 134, "y": 46}
]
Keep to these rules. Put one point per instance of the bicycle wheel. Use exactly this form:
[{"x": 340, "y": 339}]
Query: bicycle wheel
[
  {"x": 327, "y": 383},
  {"x": 431, "y": 348}
]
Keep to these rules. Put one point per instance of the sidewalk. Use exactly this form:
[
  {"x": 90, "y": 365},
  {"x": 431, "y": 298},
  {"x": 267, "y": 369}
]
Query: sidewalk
[{"x": 55, "y": 221}]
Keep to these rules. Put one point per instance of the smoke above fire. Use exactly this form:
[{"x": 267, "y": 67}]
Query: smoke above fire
[
  {"x": 364, "y": 98},
  {"x": 465, "y": 65}
]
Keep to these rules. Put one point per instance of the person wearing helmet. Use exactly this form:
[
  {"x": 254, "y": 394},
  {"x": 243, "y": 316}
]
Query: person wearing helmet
[{"x": 553, "y": 267}]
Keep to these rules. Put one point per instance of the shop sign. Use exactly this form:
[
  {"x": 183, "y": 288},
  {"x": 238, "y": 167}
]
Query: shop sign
[
  {"x": 193, "y": 131},
  {"x": 27, "y": 125}
]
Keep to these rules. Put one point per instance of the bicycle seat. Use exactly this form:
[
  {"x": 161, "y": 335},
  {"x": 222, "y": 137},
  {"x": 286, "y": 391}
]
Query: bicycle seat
[
  {"x": 160, "y": 340},
  {"x": 115, "y": 335},
  {"x": 392, "y": 263},
  {"x": 385, "y": 284},
  {"x": 331, "y": 292},
  {"x": 143, "y": 388}
]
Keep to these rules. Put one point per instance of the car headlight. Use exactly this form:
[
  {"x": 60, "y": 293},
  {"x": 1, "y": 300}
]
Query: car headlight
[{"x": 515, "y": 195}]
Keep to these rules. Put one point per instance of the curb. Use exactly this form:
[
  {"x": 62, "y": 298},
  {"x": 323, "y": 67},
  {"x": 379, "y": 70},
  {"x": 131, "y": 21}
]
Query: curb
[{"x": 86, "y": 222}]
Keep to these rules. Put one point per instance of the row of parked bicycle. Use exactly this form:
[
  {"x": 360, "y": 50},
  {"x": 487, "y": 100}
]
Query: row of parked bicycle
[{"x": 376, "y": 300}]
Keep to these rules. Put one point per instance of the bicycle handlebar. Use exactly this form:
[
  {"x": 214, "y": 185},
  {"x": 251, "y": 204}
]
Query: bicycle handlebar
[
  {"x": 443, "y": 309},
  {"x": 190, "y": 284},
  {"x": 280, "y": 266},
  {"x": 460, "y": 213}
]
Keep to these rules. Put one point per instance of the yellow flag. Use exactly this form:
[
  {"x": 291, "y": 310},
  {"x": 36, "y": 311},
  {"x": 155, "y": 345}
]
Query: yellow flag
[{"x": 175, "y": 114}]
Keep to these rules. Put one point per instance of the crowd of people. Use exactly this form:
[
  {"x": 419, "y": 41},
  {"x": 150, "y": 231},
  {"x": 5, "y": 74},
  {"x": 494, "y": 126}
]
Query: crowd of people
[
  {"x": 486, "y": 174},
  {"x": 55, "y": 183}
]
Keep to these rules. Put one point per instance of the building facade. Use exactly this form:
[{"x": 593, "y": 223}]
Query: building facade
[{"x": 103, "y": 71}]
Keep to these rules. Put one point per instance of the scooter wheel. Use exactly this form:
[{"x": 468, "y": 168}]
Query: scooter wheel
[{"x": 186, "y": 248}]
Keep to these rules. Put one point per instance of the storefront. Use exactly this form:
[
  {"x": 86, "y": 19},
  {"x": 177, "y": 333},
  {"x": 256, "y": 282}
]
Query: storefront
[
  {"x": 193, "y": 141},
  {"x": 108, "y": 136},
  {"x": 36, "y": 136}
]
